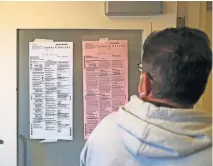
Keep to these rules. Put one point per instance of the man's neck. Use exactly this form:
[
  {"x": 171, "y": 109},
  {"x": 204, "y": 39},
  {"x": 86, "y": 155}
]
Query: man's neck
[{"x": 167, "y": 103}]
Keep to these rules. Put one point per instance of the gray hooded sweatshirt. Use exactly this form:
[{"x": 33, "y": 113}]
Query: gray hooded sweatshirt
[{"x": 142, "y": 134}]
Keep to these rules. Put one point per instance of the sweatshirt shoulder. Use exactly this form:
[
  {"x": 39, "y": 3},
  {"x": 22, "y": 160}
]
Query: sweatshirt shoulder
[
  {"x": 104, "y": 147},
  {"x": 111, "y": 118},
  {"x": 106, "y": 124}
]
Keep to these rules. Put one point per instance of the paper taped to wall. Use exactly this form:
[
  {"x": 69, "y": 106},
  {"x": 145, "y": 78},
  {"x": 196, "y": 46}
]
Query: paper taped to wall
[
  {"x": 105, "y": 80},
  {"x": 51, "y": 90},
  {"x": 42, "y": 40},
  {"x": 49, "y": 140}
]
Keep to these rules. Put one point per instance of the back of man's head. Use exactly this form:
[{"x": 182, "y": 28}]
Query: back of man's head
[{"x": 179, "y": 61}]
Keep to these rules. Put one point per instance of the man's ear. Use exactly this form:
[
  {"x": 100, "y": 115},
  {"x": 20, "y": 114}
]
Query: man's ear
[{"x": 144, "y": 87}]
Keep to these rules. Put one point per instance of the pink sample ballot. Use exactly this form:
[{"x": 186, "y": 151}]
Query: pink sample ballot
[{"x": 105, "y": 80}]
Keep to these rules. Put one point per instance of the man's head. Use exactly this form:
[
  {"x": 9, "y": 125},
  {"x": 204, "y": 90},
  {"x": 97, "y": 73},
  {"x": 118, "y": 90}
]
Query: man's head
[{"x": 176, "y": 65}]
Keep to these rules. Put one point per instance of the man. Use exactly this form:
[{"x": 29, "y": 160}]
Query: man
[{"x": 159, "y": 127}]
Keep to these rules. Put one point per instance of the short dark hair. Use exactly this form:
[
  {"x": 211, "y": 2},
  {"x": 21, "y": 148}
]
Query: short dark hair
[{"x": 179, "y": 60}]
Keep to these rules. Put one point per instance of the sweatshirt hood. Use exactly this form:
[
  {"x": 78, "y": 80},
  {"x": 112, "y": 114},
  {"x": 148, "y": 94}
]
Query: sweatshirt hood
[{"x": 161, "y": 132}]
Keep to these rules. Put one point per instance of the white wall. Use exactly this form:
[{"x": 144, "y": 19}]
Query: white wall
[{"x": 23, "y": 15}]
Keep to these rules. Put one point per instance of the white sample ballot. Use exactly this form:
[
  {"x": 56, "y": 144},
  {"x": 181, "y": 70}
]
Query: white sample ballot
[{"x": 51, "y": 90}]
